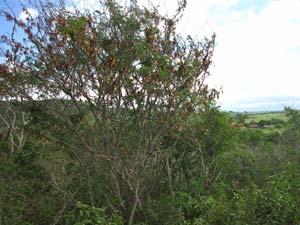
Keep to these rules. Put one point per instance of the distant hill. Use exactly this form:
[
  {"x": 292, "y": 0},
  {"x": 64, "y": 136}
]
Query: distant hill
[{"x": 263, "y": 104}]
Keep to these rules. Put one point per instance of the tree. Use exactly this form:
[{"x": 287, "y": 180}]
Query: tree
[
  {"x": 292, "y": 133},
  {"x": 241, "y": 117},
  {"x": 120, "y": 78}
]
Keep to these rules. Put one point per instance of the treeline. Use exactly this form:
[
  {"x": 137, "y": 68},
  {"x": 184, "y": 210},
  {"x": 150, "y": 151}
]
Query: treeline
[{"x": 272, "y": 123}]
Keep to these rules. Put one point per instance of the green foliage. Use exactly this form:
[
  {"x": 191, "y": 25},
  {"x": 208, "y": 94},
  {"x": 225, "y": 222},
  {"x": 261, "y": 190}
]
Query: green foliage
[
  {"x": 89, "y": 215},
  {"x": 238, "y": 167},
  {"x": 272, "y": 204},
  {"x": 240, "y": 118},
  {"x": 73, "y": 26},
  {"x": 184, "y": 208},
  {"x": 251, "y": 137},
  {"x": 255, "y": 185}
]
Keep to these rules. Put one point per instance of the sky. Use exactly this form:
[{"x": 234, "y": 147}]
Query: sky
[{"x": 257, "y": 56}]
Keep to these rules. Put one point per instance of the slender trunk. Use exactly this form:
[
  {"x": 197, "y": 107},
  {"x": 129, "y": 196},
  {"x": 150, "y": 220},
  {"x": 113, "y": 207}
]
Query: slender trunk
[
  {"x": 130, "y": 222},
  {"x": 169, "y": 176},
  {"x": 118, "y": 191}
]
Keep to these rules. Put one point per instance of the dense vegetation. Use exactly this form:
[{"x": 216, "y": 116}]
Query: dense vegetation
[{"x": 105, "y": 119}]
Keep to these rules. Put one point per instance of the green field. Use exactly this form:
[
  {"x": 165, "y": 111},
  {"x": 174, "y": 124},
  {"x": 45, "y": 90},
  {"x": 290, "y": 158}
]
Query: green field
[
  {"x": 257, "y": 117},
  {"x": 266, "y": 116}
]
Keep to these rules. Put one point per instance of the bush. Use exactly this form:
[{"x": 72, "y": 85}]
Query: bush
[{"x": 89, "y": 215}]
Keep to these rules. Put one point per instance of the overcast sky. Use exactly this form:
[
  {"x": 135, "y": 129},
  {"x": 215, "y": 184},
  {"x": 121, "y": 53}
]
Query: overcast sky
[{"x": 257, "y": 57}]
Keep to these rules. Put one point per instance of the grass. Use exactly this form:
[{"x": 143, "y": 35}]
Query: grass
[
  {"x": 266, "y": 116},
  {"x": 270, "y": 131}
]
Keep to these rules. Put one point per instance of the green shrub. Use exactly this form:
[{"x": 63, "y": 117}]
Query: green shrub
[{"x": 89, "y": 215}]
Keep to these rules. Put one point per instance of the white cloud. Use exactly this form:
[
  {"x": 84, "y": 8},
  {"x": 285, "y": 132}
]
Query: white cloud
[
  {"x": 82, "y": 5},
  {"x": 29, "y": 12},
  {"x": 254, "y": 58}
]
